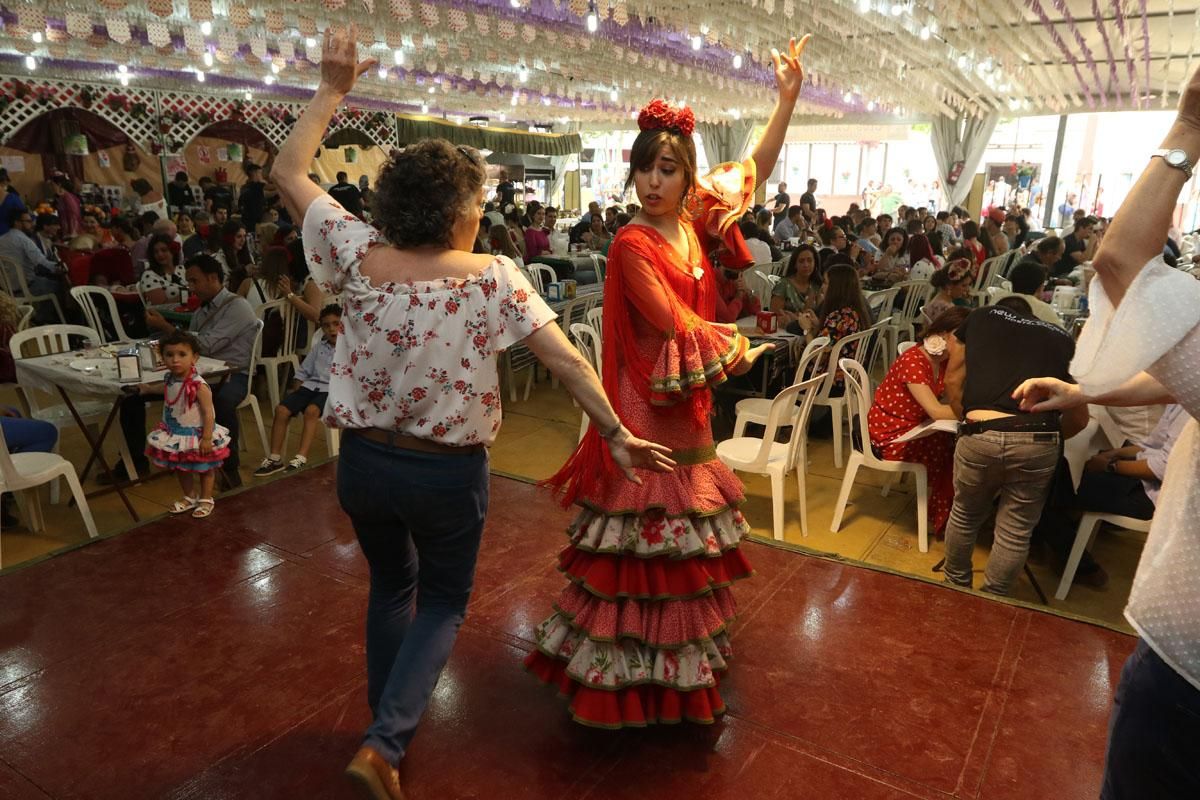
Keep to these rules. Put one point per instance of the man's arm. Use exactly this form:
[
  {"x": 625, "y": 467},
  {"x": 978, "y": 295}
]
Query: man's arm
[{"x": 956, "y": 376}]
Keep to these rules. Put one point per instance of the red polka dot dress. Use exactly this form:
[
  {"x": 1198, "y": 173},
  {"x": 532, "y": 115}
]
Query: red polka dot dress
[{"x": 895, "y": 412}]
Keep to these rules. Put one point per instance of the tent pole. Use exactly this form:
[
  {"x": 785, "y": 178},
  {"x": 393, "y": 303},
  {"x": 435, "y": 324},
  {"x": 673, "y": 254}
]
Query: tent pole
[{"x": 1052, "y": 185}]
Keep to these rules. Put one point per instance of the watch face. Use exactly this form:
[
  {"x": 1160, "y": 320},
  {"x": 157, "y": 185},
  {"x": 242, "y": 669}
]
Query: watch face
[{"x": 1176, "y": 158}]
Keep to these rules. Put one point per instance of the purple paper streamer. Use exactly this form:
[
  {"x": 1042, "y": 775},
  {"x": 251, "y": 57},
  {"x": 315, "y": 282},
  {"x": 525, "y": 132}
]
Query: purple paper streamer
[
  {"x": 651, "y": 41},
  {"x": 1036, "y": 7},
  {"x": 1134, "y": 94},
  {"x": 1146, "y": 46},
  {"x": 1087, "y": 51},
  {"x": 1114, "y": 83}
]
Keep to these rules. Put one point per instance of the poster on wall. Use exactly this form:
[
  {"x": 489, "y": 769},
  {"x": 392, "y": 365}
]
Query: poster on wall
[
  {"x": 204, "y": 155},
  {"x": 235, "y": 152},
  {"x": 102, "y": 157},
  {"x": 76, "y": 145},
  {"x": 176, "y": 163},
  {"x": 222, "y": 154},
  {"x": 13, "y": 163}
]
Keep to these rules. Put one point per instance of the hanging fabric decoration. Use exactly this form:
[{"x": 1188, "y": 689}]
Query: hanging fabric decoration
[
  {"x": 200, "y": 10},
  {"x": 227, "y": 44},
  {"x": 78, "y": 25},
  {"x": 333, "y": 5},
  {"x": 483, "y": 24},
  {"x": 239, "y": 16},
  {"x": 393, "y": 38},
  {"x": 32, "y": 19},
  {"x": 118, "y": 29},
  {"x": 578, "y": 7},
  {"x": 429, "y": 15},
  {"x": 258, "y": 46},
  {"x": 306, "y": 25},
  {"x": 162, "y": 8},
  {"x": 621, "y": 13},
  {"x": 113, "y": 5},
  {"x": 528, "y": 33},
  {"x": 273, "y": 19},
  {"x": 464, "y": 52},
  {"x": 443, "y": 48},
  {"x": 401, "y": 9},
  {"x": 287, "y": 50},
  {"x": 158, "y": 33},
  {"x": 456, "y": 18},
  {"x": 506, "y": 29}
]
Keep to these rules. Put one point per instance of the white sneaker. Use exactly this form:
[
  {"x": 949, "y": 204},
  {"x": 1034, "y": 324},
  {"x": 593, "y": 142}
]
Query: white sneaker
[{"x": 298, "y": 462}]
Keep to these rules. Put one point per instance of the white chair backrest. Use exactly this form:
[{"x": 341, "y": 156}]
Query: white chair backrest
[
  {"x": 588, "y": 342},
  {"x": 542, "y": 275},
  {"x": 49, "y": 339},
  {"x": 89, "y": 299},
  {"x": 842, "y": 346},
  {"x": 776, "y": 267},
  {"x": 760, "y": 284},
  {"x": 881, "y": 303},
  {"x": 599, "y": 264},
  {"x": 916, "y": 294},
  {"x": 8, "y": 470},
  {"x": 783, "y": 413},
  {"x": 994, "y": 293},
  {"x": 814, "y": 353},
  {"x": 875, "y": 345},
  {"x": 989, "y": 267},
  {"x": 903, "y": 347},
  {"x": 291, "y": 320},
  {"x": 857, "y": 398},
  {"x": 26, "y": 317},
  {"x": 572, "y": 312},
  {"x": 595, "y": 318}
]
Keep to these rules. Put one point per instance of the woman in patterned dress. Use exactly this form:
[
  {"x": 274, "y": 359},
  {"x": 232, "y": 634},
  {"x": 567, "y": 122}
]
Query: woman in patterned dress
[{"x": 639, "y": 635}]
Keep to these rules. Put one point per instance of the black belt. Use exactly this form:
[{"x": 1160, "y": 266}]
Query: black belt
[{"x": 1045, "y": 422}]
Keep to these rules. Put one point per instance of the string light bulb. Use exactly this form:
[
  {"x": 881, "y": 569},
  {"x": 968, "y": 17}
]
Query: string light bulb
[
  {"x": 613, "y": 95},
  {"x": 593, "y": 18},
  {"x": 30, "y": 63},
  {"x": 697, "y": 42},
  {"x": 398, "y": 56},
  {"x": 737, "y": 61},
  {"x": 121, "y": 68},
  {"x": 206, "y": 27},
  {"x": 925, "y": 33},
  {"x": 424, "y": 108},
  {"x": 124, "y": 79},
  {"x": 269, "y": 79},
  {"x": 523, "y": 73},
  {"x": 864, "y": 6},
  {"x": 37, "y": 37},
  {"x": 383, "y": 73},
  {"x": 208, "y": 59},
  {"x": 274, "y": 68},
  {"x": 310, "y": 42},
  {"x": 200, "y": 76}
]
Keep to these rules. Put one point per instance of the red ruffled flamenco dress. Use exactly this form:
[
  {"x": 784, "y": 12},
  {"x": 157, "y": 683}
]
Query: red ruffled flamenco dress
[{"x": 639, "y": 636}]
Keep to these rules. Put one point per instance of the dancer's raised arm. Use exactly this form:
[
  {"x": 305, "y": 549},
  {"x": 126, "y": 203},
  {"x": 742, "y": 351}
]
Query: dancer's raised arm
[
  {"x": 1139, "y": 230},
  {"x": 789, "y": 77}
]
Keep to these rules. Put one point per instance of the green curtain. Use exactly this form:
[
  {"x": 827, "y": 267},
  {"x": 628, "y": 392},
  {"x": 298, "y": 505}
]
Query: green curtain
[{"x": 498, "y": 140}]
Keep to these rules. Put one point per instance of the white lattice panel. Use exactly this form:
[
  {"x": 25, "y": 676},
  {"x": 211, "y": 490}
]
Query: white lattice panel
[
  {"x": 379, "y": 126},
  {"x": 186, "y": 114},
  {"x": 133, "y": 111}
]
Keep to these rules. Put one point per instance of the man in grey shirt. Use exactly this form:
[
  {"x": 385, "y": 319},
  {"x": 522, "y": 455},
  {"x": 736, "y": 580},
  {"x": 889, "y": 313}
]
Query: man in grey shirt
[
  {"x": 226, "y": 326},
  {"x": 43, "y": 275}
]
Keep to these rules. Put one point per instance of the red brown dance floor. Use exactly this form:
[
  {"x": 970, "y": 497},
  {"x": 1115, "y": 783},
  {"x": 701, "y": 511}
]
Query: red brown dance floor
[{"x": 223, "y": 658}]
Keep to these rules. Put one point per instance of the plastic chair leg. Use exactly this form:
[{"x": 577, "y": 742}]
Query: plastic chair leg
[
  {"x": 835, "y": 411},
  {"x": 844, "y": 493},
  {"x": 33, "y": 504},
  {"x": 922, "y": 510},
  {"x": 583, "y": 425},
  {"x": 1083, "y": 535},
  {"x": 262, "y": 431},
  {"x": 800, "y": 488},
  {"x": 777, "y": 498},
  {"x": 333, "y": 440},
  {"x": 739, "y": 427},
  {"x": 272, "y": 375},
  {"x": 85, "y": 510}
]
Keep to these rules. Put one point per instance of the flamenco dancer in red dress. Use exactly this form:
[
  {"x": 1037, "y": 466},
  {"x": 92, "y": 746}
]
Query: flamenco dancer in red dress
[{"x": 639, "y": 634}]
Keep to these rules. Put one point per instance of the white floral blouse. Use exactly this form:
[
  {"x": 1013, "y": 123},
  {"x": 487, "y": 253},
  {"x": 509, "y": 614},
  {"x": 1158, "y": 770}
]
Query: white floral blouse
[{"x": 418, "y": 358}]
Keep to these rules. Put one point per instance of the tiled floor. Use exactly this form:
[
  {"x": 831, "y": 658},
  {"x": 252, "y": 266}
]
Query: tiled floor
[{"x": 223, "y": 659}]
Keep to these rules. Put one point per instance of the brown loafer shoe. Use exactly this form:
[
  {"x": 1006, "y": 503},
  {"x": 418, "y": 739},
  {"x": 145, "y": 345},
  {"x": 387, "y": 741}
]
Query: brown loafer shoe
[{"x": 375, "y": 778}]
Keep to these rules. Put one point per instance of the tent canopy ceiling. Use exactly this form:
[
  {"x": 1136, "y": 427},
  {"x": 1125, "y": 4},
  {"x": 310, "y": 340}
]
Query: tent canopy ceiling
[{"x": 540, "y": 63}]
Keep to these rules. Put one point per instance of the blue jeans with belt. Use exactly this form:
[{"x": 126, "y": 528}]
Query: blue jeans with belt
[{"x": 418, "y": 518}]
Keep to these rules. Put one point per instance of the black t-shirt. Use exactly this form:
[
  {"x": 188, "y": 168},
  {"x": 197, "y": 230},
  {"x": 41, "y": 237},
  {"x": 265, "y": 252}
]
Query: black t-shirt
[
  {"x": 179, "y": 195},
  {"x": 1004, "y": 349},
  {"x": 221, "y": 196},
  {"x": 782, "y": 200},
  {"x": 252, "y": 203},
  {"x": 1072, "y": 244},
  {"x": 809, "y": 198},
  {"x": 348, "y": 196}
]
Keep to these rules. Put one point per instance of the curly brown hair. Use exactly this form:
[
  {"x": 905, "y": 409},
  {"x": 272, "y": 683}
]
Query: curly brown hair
[{"x": 424, "y": 189}]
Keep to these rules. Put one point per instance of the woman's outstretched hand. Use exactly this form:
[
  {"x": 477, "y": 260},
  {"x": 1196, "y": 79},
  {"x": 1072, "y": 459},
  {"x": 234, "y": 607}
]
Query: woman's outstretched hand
[
  {"x": 630, "y": 452},
  {"x": 789, "y": 73},
  {"x": 340, "y": 67},
  {"x": 1048, "y": 394}
]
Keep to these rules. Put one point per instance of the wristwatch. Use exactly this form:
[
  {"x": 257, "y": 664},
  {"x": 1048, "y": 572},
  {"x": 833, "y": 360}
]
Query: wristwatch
[
  {"x": 1175, "y": 158},
  {"x": 1111, "y": 466}
]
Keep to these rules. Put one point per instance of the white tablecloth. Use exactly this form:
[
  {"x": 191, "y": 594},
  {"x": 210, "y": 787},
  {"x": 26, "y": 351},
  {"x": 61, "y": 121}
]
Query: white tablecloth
[{"x": 44, "y": 373}]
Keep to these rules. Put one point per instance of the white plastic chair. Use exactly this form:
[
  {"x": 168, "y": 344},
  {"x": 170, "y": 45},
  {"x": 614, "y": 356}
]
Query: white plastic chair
[
  {"x": 250, "y": 400},
  {"x": 13, "y": 278},
  {"x": 589, "y": 344},
  {"x": 837, "y": 405},
  {"x": 287, "y": 346},
  {"x": 88, "y": 298},
  {"x": 595, "y": 318},
  {"x": 1089, "y": 523},
  {"x": 903, "y": 347},
  {"x": 916, "y": 295},
  {"x": 543, "y": 275},
  {"x": 864, "y": 456},
  {"x": 22, "y": 473},
  {"x": 877, "y": 345},
  {"x": 983, "y": 278},
  {"x": 758, "y": 409},
  {"x": 1065, "y": 298},
  {"x": 599, "y": 265},
  {"x": 765, "y": 456},
  {"x": 26, "y": 316},
  {"x": 761, "y": 284},
  {"x": 46, "y": 340}
]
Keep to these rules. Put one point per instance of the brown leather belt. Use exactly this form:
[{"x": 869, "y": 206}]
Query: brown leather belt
[{"x": 403, "y": 441}]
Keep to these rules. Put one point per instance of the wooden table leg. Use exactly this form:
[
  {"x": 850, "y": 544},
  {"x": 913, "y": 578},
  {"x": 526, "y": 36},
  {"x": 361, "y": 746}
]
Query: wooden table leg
[{"x": 97, "y": 444}]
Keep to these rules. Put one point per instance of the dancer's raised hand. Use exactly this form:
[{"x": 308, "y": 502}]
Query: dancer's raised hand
[
  {"x": 340, "y": 67},
  {"x": 789, "y": 73}
]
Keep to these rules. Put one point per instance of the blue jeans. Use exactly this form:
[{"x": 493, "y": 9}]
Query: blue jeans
[
  {"x": 28, "y": 435},
  {"x": 419, "y": 518},
  {"x": 1153, "y": 734}
]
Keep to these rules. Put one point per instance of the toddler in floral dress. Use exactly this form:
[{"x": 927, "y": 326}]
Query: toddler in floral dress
[{"x": 188, "y": 440}]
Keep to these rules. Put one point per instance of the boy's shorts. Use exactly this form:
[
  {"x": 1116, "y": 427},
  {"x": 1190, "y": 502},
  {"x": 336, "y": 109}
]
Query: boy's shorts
[{"x": 302, "y": 398}]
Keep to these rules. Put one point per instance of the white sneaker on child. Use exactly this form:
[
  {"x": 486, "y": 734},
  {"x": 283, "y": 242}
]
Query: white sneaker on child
[{"x": 297, "y": 462}]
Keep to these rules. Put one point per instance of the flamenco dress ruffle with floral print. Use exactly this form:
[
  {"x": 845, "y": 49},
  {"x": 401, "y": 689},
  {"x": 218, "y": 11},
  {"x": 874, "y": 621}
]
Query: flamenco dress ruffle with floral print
[
  {"x": 175, "y": 442},
  {"x": 640, "y": 634}
]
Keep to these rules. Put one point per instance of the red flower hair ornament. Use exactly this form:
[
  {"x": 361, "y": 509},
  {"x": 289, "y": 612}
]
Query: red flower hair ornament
[{"x": 659, "y": 115}]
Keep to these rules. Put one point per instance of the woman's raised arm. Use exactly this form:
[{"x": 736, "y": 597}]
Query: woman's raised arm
[{"x": 789, "y": 77}]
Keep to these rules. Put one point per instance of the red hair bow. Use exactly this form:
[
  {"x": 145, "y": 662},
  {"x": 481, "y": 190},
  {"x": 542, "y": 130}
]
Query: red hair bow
[{"x": 658, "y": 115}]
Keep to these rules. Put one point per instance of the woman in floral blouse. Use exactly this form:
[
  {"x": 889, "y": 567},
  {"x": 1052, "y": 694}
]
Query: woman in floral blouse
[
  {"x": 414, "y": 385},
  {"x": 843, "y": 312}
]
